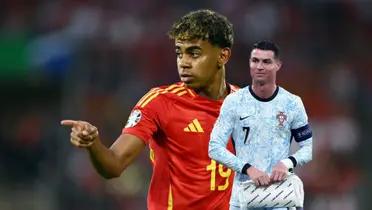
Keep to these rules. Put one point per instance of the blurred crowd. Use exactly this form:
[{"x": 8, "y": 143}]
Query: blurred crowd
[{"x": 93, "y": 60}]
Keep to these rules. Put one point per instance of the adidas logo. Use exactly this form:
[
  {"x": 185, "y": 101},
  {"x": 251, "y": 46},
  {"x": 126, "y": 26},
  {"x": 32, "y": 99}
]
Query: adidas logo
[{"x": 194, "y": 126}]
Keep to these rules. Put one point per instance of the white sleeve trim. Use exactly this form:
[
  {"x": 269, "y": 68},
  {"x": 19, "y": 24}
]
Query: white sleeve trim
[{"x": 288, "y": 163}]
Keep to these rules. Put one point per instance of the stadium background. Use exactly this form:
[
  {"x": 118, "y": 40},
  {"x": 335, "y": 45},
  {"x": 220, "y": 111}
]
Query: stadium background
[{"x": 92, "y": 60}]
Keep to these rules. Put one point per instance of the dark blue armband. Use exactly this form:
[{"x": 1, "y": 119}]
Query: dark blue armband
[{"x": 302, "y": 133}]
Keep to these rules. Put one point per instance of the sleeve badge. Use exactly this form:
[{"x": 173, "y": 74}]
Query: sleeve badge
[{"x": 134, "y": 118}]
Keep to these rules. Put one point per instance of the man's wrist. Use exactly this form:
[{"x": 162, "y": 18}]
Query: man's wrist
[
  {"x": 294, "y": 161},
  {"x": 245, "y": 168},
  {"x": 288, "y": 163},
  {"x": 95, "y": 145}
]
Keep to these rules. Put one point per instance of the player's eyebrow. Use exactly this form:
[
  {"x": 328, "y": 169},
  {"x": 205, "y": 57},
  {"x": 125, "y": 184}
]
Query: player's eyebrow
[
  {"x": 189, "y": 49},
  {"x": 192, "y": 48},
  {"x": 266, "y": 60},
  {"x": 262, "y": 59}
]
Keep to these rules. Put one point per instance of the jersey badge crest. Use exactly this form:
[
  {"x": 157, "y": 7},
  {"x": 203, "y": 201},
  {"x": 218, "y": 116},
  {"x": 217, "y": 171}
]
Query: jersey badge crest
[{"x": 281, "y": 117}]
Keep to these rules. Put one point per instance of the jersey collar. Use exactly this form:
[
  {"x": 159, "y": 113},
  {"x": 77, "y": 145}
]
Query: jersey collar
[{"x": 264, "y": 99}]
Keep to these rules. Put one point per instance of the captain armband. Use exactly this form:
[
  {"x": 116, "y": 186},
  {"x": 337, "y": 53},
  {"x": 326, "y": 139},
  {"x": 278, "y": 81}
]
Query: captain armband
[{"x": 302, "y": 133}]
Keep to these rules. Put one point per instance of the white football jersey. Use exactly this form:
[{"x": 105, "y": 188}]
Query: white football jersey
[{"x": 261, "y": 130}]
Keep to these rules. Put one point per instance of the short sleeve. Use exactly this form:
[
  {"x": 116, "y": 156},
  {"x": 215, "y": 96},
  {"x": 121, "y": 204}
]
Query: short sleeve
[{"x": 143, "y": 120}]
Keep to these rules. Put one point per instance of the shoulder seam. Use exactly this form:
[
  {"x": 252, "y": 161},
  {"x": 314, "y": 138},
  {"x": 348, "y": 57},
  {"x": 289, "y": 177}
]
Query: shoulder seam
[
  {"x": 148, "y": 94},
  {"x": 155, "y": 92}
]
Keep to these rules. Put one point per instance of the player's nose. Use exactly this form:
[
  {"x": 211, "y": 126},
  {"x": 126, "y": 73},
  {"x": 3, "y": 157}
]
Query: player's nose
[
  {"x": 260, "y": 66},
  {"x": 184, "y": 62},
  {"x": 184, "y": 65}
]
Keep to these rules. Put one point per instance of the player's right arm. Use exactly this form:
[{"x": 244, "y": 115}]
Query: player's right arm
[
  {"x": 109, "y": 162},
  {"x": 221, "y": 132},
  {"x": 143, "y": 122},
  {"x": 220, "y": 135}
]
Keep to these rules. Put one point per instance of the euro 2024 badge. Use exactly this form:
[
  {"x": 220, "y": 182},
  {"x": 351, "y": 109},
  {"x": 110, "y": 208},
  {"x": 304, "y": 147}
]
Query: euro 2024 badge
[
  {"x": 134, "y": 118},
  {"x": 281, "y": 117}
]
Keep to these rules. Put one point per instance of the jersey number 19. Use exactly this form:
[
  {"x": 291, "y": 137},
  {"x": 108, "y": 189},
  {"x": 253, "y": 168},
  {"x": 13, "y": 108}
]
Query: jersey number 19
[{"x": 224, "y": 174}]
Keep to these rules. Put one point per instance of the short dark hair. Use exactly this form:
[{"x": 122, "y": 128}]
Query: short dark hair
[
  {"x": 266, "y": 45},
  {"x": 206, "y": 25}
]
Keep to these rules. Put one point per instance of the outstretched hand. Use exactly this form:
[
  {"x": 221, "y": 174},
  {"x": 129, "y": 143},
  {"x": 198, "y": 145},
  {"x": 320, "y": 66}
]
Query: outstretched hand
[{"x": 83, "y": 134}]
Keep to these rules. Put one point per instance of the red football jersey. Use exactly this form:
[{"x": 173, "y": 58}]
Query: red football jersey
[{"x": 176, "y": 123}]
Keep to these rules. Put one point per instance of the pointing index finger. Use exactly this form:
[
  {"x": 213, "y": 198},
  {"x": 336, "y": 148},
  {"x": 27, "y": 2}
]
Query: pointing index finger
[{"x": 69, "y": 122}]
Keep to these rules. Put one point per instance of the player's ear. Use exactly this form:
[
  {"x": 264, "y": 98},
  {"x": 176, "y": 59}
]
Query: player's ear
[
  {"x": 278, "y": 63},
  {"x": 224, "y": 56}
]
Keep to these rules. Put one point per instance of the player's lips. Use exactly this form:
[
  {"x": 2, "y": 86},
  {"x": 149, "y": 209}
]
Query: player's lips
[
  {"x": 260, "y": 74},
  {"x": 186, "y": 77}
]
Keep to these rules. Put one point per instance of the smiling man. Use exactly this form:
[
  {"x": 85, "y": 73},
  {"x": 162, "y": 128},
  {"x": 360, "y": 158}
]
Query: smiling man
[
  {"x": 262, "y": 119},
  {"x": 175, "y": 121}
]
